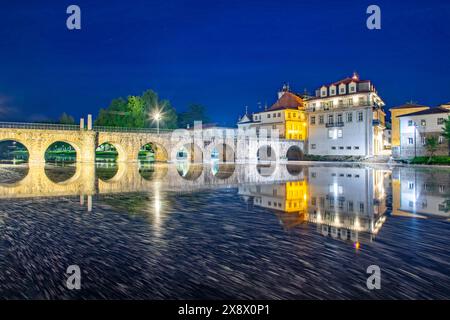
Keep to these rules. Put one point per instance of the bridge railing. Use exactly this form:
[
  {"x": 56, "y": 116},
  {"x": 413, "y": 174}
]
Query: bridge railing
[
  {"x": 41, "y": 126},
  {"x": 134, "y": 130}
]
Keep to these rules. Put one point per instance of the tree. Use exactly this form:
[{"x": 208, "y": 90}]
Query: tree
[
  {"x": 153, "y": 105},
  {"x": 66, "y": 119},
  {"x": 195, "y": 112},
  {"x": 137, "y": 111},
  {"x": 431, "y": 144},
  {"x": 446, "y": 132}
]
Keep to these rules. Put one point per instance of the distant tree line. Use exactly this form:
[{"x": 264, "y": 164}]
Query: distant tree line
[{"x": 139, "y": 111}]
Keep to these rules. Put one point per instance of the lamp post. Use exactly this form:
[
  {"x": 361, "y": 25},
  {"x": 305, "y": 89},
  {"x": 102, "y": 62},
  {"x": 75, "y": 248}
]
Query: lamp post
[{"x": 157, "y": 117}]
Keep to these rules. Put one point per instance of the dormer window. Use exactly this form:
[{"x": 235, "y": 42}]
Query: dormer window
[
  {"x": 323, "y": 91},
  {"x": 332, "y": 90}
]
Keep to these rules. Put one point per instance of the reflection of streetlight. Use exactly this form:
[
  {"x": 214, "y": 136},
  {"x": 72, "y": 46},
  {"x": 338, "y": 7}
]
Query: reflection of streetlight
[{"x": 157, "y": 117}]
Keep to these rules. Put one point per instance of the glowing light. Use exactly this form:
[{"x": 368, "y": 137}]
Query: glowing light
[{"x": 357, "y": 245}]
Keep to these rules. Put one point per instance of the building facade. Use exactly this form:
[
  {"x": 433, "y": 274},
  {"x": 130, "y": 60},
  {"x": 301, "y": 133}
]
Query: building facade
[
  {"x": 396, "y": 112},
  {"x": 416, "y": 127},
  {"x": 346, "y": 118}
]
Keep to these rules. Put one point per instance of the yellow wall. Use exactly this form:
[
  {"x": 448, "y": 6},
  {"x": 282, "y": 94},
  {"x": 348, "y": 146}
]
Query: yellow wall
[
  {"x": 296, "y": 196},
  {"x": 295, "y": 124},
  {"x": 396, "y": 122}
]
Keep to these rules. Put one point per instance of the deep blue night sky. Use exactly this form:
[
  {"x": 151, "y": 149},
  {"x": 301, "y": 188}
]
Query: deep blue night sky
[{"x": 222, "y": 54}]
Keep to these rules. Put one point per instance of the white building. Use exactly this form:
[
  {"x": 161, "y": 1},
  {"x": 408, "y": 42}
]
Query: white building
[
  {"x": 416, "y": 127},
  {"x": 346, "y": 118}
]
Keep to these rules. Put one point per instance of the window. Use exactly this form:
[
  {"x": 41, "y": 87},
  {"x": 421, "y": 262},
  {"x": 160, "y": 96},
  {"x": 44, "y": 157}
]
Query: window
[
  {"x": 268, "y": 115},
  {"x": 361, "y": 101},
  {"x": 356, "y": 148},
  {"x": 342, "y": 90},
  {"x": 410, "y": 141},
  {"x": 423, "y": 123},
  {"x": 350, "y": 206},
  {"x": 313, "y": 146},
  {"x": 349, "y": 148},
  {"x": 441, "y": 139},
  {"x": 333, "y": 91},
  {"x": 423, "y": 140},
  {"x": 313, "y": 201},
  {"x": 339, "y": 134},
  {"x": 360, "y": 116},
  {"x": 350, "y": 117},
  {"x": 411, "y": 186},
  {"x": 330, "y": 118},
  {"x": 410, "y": 123},
  {"x": 289, "y": 114},
  {"x": 341, "y": 148},
  {"x": 313, "y": 120},
  {"x": 313, "y": 174},
  {"x": 330, "y": 134},
  {"x": 321, "y": 119},
  {"x": 339, "y": 118},
  {"x": 341, "y": 103},
  {"x": 350, "y": 101},
  {"x": 333, "y": 148},
  {"x": 361, "y": 207},
  {"x": 352, "y": 89},
  {"x": 440, "y": 121},
  {"x": 441, "y": 188},
  {"x": 279, "y": 114}
]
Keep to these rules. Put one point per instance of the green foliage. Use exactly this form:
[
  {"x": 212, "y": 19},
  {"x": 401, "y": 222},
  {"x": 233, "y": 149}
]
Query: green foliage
[
  {"x": 137, "y": 111},
  {"x": 437, "y": 160},
  {"x": 66, "y": 119},
  {"x": 431, "y": 144},
  {"x": 446, "y": 132},
  {"x": 195, "y": 112}
]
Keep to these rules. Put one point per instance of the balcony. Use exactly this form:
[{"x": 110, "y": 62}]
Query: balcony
[{"x": 334, "y": 124}]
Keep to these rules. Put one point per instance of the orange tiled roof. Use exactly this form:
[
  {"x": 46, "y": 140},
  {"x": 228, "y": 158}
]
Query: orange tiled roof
[{"x": 288, "y": 100}]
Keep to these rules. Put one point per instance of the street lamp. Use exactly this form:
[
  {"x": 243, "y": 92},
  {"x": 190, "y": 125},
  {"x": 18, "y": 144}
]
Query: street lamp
[{"x": 157, "y": 117}]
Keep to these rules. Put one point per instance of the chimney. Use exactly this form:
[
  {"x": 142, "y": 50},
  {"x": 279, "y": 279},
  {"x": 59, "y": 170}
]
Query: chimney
[{"x": 81, "y": 123}]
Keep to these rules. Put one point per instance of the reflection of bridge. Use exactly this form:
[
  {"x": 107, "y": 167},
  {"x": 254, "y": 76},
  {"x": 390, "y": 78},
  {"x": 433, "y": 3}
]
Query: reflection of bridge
[
  {"x": 141, "y": 178},
  {"x": 198, "y": 144}
]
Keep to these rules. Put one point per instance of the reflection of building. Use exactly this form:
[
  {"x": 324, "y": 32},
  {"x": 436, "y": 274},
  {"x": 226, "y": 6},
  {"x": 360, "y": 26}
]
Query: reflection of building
[
  {"x": 416, "y": 127},
  {"x": 286, "y": 115},
  {"x": 346, "y": 118},
  {"x": 420, "y": 192},
  {"x": 345, "y": 203}
]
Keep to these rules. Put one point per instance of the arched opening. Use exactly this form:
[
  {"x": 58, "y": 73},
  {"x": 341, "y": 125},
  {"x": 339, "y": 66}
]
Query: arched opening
[
  {"x": 190, "y": 152},
  {"x": 189, "y": 171},
  {"x": 60, "y": 172},
  {"x": 106, "y": 170},
  {"x": 152, "y": 171},
  {"x": 11, "y": 175},
  {"x": 222, "y": 153},
  {"x": 106, "y": 153},
  {"x": 266, "y": 153},
  {"x": 222, "y": 170},
  {"x": 61, "y": 152},
  {"x": 152, "y": 152},
  {"x": 13, "y": 152},
  {"x": 294, "y": 153},
  {"x": 294, "y": 169}
]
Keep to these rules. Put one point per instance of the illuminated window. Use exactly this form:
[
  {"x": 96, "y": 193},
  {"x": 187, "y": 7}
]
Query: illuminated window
[{"x": 339, "y": 135}]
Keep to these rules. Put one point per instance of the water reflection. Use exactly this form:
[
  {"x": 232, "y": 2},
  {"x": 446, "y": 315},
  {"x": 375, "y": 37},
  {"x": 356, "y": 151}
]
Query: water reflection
[{"x": 182, "y": 230}]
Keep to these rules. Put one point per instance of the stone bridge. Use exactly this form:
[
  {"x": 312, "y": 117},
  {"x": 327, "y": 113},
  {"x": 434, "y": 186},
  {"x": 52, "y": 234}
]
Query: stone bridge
[{"x": 198, "y": 145}]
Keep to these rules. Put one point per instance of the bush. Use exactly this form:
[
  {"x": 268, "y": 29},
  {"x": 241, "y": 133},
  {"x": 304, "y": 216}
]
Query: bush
[{"x": 437, "y": 160}]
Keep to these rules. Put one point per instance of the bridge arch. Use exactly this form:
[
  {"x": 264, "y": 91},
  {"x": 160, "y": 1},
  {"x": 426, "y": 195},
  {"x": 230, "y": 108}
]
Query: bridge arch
[
  {"x": 122, "y": 155},
  {"x": 223, "y": 170},
  {"x": 266, "y": 153},
  {"x": 72, "y": 145},
  {"x": 221, "y": 152},
  {"x": 294, "y": 153},
  {"x": 160, "y": 153},
  {"x": 189, "y": 152},
  {"x": 15, "y": 149},
  {"x": 189, "y": 171}
]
